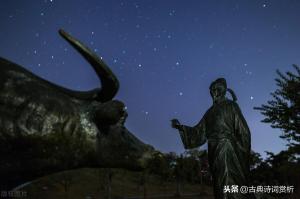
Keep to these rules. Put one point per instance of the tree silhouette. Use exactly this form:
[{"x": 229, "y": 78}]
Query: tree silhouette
[
  {"x": 255, "y": 160},
  {"x": 283, "y": 111}
]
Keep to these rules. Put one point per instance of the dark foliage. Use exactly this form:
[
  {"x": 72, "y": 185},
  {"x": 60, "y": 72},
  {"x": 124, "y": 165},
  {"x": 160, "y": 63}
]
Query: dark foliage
[
  {"x": 283, "y": 111},
  {"x": 192, "y": 167}
]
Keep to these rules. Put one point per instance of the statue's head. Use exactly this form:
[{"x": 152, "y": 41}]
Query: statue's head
[{"x": 218, "y": 90}]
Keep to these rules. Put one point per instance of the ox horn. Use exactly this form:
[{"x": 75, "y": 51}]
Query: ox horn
[{"x": 109, "y": 82}]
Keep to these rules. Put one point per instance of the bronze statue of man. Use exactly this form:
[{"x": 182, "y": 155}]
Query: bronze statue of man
[{"x": 226, "y": 131}]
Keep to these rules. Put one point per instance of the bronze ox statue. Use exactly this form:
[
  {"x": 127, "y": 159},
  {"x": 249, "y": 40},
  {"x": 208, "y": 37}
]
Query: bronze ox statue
[{"x": 45, "y": 128}]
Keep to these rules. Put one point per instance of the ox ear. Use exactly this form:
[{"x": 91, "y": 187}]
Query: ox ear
[
  {"x": 110, "y": 113},
  {"x": 109, "y": 82}
]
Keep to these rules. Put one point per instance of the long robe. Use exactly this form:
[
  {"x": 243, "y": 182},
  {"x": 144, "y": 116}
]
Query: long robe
[{"x": 226, "y": 131}]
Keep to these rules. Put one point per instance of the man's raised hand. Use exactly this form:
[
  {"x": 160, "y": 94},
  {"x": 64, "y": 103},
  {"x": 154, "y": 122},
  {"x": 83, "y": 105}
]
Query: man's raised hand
[{"x": 176, "y": 124}]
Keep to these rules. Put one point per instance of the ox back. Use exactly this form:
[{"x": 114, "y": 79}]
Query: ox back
[{"x": 40, "y": 128}]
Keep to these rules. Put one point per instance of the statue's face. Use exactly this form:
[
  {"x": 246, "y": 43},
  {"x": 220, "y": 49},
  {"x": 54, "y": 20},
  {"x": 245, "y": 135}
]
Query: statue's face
[{"x": 217, "y": 92}]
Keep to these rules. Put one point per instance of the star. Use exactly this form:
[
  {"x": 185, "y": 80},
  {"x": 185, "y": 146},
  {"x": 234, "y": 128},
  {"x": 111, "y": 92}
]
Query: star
[
  {"x": 172, "y": 13},
  {"x": 248, "y": 72},
  {"x": 145, "y": 112}
]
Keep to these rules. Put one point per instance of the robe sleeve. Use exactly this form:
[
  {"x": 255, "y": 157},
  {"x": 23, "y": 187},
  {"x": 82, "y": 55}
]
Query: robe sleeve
[
  {"x": 193, "y": 137},
  {"x": 241, "y": 130}
]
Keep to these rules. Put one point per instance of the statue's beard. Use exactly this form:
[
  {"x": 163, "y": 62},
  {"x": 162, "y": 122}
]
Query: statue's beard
[{"x": 218, "y": 99}]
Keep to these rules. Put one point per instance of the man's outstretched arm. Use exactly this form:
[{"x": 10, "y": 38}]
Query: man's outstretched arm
[{"x": 191, "y": 137}]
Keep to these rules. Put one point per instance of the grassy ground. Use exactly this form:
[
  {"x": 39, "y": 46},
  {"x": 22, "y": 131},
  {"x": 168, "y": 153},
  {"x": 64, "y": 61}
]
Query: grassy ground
[{"x": 93, "y": 184}]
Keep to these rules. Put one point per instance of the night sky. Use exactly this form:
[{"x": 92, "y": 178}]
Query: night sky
[{"x": 165, "y": 54}]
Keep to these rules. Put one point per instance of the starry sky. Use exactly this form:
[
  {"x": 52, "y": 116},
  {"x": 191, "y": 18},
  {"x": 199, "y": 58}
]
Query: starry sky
[{"x": 165, "y": 54}]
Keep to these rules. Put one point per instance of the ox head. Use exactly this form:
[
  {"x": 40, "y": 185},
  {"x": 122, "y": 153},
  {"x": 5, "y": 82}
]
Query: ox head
[{"x": 115, "y": 145}]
